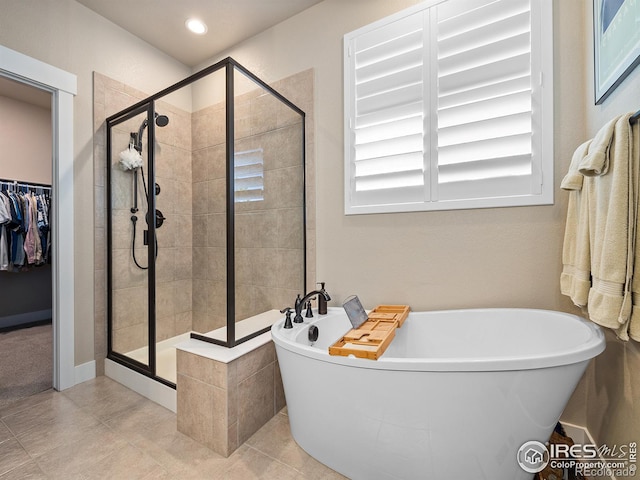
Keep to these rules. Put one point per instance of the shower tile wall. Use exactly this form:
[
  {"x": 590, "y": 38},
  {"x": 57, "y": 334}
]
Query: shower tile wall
[{"x": 190, "y": 171}]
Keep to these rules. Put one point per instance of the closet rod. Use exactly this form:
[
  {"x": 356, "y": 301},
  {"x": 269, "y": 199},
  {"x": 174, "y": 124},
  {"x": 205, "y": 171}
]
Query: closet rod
[
  {"x": 635, "y": 117},
  {"x": 25, "y": 184}
]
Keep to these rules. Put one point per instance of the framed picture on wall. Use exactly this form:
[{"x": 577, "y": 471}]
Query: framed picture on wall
[{"x": 616, "y": 35}]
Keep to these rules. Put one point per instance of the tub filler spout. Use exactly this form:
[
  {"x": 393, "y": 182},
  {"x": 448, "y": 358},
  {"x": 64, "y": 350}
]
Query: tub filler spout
[{"x": 301, "y": 302}]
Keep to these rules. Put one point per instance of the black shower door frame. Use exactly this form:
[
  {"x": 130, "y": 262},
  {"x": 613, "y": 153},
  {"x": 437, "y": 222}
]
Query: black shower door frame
[{"x": 148, "y": 105}]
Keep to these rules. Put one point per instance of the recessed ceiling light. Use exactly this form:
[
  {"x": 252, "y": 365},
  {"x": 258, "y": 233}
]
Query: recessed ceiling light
[{"x": 196, "y": 26}]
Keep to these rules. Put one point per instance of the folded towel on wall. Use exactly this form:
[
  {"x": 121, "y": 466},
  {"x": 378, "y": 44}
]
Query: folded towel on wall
[
  {"x": 599, "y": 249},
  {"x": 575, "y": 280},
  {"x": 596, "y": 161},
  {"x": 611, "y": 230},
  {"x": 574, "y": 178}
]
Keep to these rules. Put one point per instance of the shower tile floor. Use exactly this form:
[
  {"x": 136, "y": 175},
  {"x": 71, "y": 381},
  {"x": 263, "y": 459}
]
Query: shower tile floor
[{"x": 102, "y": 430}]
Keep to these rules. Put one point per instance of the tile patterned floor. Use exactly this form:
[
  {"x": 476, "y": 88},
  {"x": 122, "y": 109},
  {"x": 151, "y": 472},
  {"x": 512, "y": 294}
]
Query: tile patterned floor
[{"x": 102, "y": 430}]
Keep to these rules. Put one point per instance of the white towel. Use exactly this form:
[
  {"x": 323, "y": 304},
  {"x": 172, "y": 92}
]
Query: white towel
[
  {"x": 596, "y": 161},
  {"x": 610, "y": 204},
  {"x": 632, "y": 326},
  {"x": 575, "y": 280},
  {"x": 599, "y": 248}
]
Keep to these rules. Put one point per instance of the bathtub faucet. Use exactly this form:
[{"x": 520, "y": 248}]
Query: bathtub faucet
[{"x": 301, "y": 302}]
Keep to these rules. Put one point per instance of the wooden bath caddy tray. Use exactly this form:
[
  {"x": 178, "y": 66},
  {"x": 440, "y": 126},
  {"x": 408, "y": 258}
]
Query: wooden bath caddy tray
[{"x": 372, "y": 338}]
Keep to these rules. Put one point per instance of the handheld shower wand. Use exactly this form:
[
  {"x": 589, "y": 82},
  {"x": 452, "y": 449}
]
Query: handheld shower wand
[{"x": 158, "y": 218}]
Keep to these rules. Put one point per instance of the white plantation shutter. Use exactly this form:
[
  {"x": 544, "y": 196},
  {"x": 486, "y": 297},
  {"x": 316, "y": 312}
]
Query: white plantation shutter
[
  {"x": 484, "y": 100},
  {"x": 388, "y": 113},
  {"x": 445, "y": 108},
  {"x": 248, "y": 174}
]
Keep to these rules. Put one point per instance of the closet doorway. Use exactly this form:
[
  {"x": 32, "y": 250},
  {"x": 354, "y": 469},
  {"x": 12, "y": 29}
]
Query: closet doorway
[
  {"x": 26, "y": 331},
  {"x": 62, "y": 87}
]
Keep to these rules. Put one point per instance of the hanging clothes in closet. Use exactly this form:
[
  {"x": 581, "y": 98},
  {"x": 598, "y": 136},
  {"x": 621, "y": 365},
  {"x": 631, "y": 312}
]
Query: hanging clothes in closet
[{"x": 24, "y": 225}]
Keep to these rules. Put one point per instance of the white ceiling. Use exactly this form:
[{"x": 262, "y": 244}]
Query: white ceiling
[{"x": 161, "y": 22}]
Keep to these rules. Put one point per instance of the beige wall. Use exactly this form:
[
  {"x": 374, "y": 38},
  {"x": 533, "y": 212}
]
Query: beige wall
[
  {"x": 69, "y": 36},
  {"x": 25, "y": 141}
]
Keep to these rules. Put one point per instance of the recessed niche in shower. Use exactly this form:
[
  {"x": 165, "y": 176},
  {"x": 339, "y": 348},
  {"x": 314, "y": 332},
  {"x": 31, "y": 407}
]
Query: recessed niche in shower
[{"x": 219, "y": 158}]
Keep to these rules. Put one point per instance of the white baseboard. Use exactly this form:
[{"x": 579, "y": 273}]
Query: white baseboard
[
  {"x": 84, "y": 372},
  {"x": 145, "y": 386}
]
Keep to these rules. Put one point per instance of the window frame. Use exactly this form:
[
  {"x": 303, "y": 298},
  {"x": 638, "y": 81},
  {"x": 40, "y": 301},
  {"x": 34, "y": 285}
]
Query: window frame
[{"x": 542, "y": 136}]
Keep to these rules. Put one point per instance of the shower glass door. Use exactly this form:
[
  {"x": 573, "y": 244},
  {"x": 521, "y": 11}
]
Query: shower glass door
[
  {"x": 205, "y": 218},
  {"x": 268, "y": 205},
  {"x": 171, "y": 191},
  {"x": 132, "y": 253}
]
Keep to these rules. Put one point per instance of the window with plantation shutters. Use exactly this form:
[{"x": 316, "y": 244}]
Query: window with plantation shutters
[
  {"x": 449, "y": 105},
  {"x": 249, "y": 175}
]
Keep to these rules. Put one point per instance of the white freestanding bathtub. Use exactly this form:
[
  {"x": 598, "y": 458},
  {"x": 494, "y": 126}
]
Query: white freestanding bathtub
[{"x": 455, "y": 396}]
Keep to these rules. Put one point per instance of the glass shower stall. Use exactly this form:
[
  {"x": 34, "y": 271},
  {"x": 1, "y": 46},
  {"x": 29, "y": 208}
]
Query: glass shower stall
[{"x": 206, "y": 216}]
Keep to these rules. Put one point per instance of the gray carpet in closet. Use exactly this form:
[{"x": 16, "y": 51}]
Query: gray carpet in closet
[{"x": 26, "y": 363}]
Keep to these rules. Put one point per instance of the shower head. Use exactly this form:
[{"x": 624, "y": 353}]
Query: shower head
[{"x": 161, "y": 121}]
